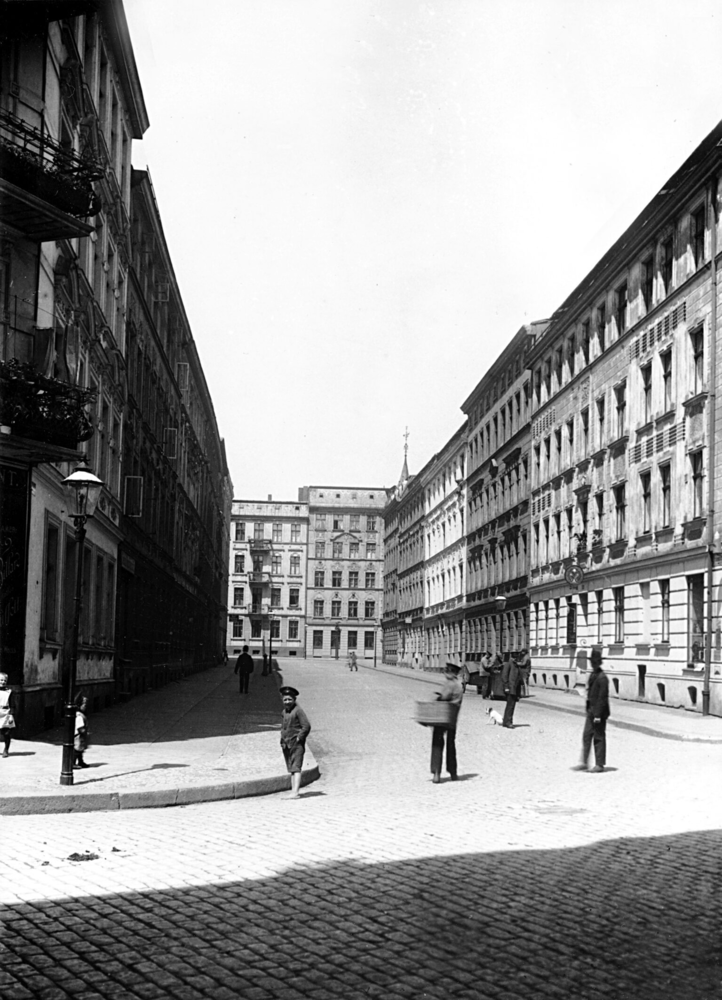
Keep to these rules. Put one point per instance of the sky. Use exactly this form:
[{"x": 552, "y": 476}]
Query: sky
[{"x": 364, "y": 200}]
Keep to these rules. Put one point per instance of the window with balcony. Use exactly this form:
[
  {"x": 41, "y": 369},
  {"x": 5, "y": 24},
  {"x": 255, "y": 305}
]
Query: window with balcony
[
  {"x": 620, "y": 512},
  {"x": 277, "y": 532},
  {"x": 318, "y": 608},
  {"x": 294, "y": 596},
  {"x": 620, "y": 400},
  {"x": 646, "y": 374},
  {"x": 319, "y": 578},
  {"x": 666, "y": 362},
  {"x": 697, "y": 472},
  {"x": 618, "y": 614},
  {"x": 645, "y": 483},
  {"x": 696, "y": 338}
]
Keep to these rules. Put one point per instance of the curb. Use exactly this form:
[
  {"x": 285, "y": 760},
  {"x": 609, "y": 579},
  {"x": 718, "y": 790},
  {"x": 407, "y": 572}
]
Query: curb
[
  {"x": 617, "y": 723},
  {"x": 24, "y": 805}
]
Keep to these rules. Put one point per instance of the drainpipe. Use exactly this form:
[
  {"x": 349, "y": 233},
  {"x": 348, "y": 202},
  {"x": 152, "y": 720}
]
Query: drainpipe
[{"x": 711, "y": 450}]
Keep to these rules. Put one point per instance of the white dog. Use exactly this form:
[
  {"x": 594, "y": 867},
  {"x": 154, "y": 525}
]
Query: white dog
[{"x": 495, "y": 718}]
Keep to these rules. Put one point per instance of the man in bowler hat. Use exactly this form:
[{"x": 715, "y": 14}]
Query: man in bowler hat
[
  {"x": 595, "y": 725},
  {"x": 295, "y": 727},
  {"x": 512, "y": 677}
]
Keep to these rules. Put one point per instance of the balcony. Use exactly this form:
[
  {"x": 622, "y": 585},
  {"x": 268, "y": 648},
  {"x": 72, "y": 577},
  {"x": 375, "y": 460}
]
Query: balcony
[
  {"x": 42, "y": 416},
  {"x": 257, "y": 577},
  {"x": 46, "y": 189},
  {"x": 259, "y": 544}
]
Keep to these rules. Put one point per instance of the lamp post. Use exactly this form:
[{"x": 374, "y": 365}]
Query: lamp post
[{"x": 85, "y": 489}]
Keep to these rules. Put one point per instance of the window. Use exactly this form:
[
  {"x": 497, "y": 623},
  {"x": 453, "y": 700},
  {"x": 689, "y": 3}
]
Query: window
[
  {"x": 336, "y": 578},
  {"x": 353, "y": 609},
  {"x": 667, "y": 262},
  {"x": 318, "y": 608},
  {"x": 239, "y": 563},
  {"x": 275, "y": 597},
  {"x": 695, "y": 591},
  {"x": 557, "y": 537},
  {"x": 370, "y": 550},
  {"x": 295, "y": 565},
  {"x": 258, "y": 530},
  {"x": 294, "y": 597},
  {"x": 620, "y": 511},
  {"x": 584, "y": 518},
  {"x": 602, "y": 327},
  {"x": 695, "y": 461},
  {"x": 337, "y": 523},
  {"x": 369, "y": 609},
  {"x": 240, "y": 531},
  {"x": 353, "y": 579},
  {"x": 50, "y": 596},
  {"x": 665, "y": 477},
  {"x": 317, "y": 639},
  {"x": 664, "y": 610},
  {"x": 666, "y": 360},
  {"x": 295, "y": 532},
  {"x": 276, "y": 563},
  {"x": 277, "y": 532},
  {"x": 646, "y": 373},
  {"x": 256, "y": 629},
  {"x": 370, "y": 581},
  {"x": 237, "y": 628},
  {"x": 618, "y": 614},
  {"x": 599, "y": 504},
  {"x": 320, "y": 522},
  {"x": 319, "y": 578},
  {"x": 558, "y": 449},
  {"x": 698, "y": 225},
  {"x": 354, "y": 522},
  {"x": 293, "y": 628},
  {"x": 645, "y": 482},
  {"x": 585, "y": 430},
  {"x": 620, "y": 397},
  {"x": 570, "y": 439},
  {"x": 571, "y": 637},
  {"x": 237, "y": 597},
  {"x": 353, "y": 550},
  {"x": 601, "y": 416},
  {"x": 352, "y": 640},
  {"x": 647, "y": 282},
  {"x": 338, "y": 550},
  {"x": 371, "y": 524},
  {"x": 571, "y": 354},
  {"x": 599, "y": 595},
  {"x": 697, "y": 341},
  {"x": 559, "y": 365},
  {"x": 369, "y": 641},
  {"x": 320, "y": 550},
  {"x": 621, "y": 308},
  {"x": 585, "y": 341},
  {"x": 335, "y": 609},
  {"x": 275, "y": 628}
]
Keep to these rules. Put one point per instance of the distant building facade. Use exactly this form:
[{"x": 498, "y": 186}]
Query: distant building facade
[
  {"x": 345, "y": 570},
  {"x": 267, "y": 583}
]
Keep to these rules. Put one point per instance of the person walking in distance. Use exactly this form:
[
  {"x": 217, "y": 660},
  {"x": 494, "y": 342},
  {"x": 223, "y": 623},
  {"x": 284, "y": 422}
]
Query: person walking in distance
[
  {"x": 7, "y": 714},
  {"x": 595, "y": 725},
  {"x": 451, "y": 691},
  {"x": 244, "y": 669},
  {"x": 352, "y": 664},
  {"x": 82, "y": 732},
  {"x": 295, "y": 727},
  {"x": 511, "y": 678},
  {"x": 524, "y": 663}
]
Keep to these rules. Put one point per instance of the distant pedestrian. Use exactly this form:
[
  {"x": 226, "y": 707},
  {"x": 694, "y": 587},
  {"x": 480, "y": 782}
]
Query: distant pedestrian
[
  {"x": 595, "y": 725},
  {"x": 266, "y": 671},
  {"x": 244, "y": 669},
  {"x": 485, "y": 675},
  {"x": 524, "y": 663},
  {"x": 352, "y": 664},
  {"x": 511, "y": 678},
  {"x": 82, "y": 731},
  {"x": 7, "y": 713},
  {"x": 451, "y": 691},
  {"x": 295, "y": 727},
  {"x": 465, "y": 677}
]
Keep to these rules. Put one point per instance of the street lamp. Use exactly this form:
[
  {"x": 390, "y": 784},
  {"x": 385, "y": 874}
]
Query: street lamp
[{"x": 85, "y": 489}]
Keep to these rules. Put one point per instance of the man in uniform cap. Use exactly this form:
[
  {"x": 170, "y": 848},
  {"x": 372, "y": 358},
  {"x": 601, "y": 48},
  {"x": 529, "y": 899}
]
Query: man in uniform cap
[
  {"x": 295, "y": 727},
  {"x": 451, "y": 691}
]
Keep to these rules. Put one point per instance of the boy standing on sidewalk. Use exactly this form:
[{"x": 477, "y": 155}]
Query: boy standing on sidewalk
[{"x": 295, "y": 727}]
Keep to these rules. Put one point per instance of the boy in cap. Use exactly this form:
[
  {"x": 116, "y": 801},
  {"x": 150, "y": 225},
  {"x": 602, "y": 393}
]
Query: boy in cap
[
  {"x": 295, "y": 727},
  {"x": 451, "y": 691}
]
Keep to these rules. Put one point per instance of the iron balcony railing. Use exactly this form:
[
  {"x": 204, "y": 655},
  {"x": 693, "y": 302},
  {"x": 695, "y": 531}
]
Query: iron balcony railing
[{"x": 43, "y": 409}]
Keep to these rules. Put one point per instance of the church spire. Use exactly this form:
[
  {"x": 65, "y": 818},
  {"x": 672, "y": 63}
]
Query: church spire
[{"x": 404, "y": 477}]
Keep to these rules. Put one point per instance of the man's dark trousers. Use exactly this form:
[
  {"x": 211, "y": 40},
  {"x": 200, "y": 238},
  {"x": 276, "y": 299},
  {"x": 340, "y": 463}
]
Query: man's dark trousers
[
  {"x": 511, "y": 700},
  {"x": 437, "y": 749},
  {"x": 243, "y": 678},
  {"x": 595, "y": 732}
]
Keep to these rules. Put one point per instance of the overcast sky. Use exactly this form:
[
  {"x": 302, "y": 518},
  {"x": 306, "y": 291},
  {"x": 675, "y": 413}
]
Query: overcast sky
[{"x": 365, "y": 199}]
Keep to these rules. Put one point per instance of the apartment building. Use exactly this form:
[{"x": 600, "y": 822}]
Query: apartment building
[
  {"x": 267, "y": 583},
  {"x": 498, "y": 488},
  {"x": 345, "y": 570},
  {"x": 625, "y": 487}
]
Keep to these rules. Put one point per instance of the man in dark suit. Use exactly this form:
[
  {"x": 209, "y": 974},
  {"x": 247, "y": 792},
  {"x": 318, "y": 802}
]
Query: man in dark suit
[
  {"x": 512, "y": 677},
  {"x": 595, "y": 726},
  {"x": 244, "y": 669}
]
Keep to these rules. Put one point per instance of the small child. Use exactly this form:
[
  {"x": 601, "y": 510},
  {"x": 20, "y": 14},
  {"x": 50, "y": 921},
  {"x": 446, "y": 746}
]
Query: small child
[
  {"x": 82, "y": 733},
  {"x": 295, "y": 727},
  {"x": 7, "y": 716}
]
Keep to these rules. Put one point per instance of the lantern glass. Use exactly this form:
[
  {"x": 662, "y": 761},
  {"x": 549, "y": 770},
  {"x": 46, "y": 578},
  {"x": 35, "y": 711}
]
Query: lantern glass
[{"x": 86, "y": 491}]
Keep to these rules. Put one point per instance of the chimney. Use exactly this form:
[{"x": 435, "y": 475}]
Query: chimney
[{"x": 270, "y": 497}]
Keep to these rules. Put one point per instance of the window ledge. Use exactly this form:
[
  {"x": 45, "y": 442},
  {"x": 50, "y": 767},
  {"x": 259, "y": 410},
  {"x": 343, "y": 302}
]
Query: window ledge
[
  {"x": 666, "y": 416},
  {"x": 644, "y": 428},
  {"x": 698, "y": 397}
]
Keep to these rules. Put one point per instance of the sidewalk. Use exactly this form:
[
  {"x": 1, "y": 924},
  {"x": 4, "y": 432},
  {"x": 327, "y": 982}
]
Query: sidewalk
[
  {"x": 653, "y": 720},
  {"x": 193, "y": 741}
]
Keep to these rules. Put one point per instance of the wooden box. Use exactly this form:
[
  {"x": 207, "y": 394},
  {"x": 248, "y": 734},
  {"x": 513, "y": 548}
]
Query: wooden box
[{"x": 436, "y": 713}]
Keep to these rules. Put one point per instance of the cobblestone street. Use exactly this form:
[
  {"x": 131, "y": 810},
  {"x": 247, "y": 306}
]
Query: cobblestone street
[{"x": 523, "y": 879}]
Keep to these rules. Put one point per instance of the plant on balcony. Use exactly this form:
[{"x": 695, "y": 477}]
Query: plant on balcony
[{"x": 42, "y": 408}]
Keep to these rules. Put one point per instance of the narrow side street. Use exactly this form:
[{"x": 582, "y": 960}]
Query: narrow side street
[{"x": 521, "y": 880}]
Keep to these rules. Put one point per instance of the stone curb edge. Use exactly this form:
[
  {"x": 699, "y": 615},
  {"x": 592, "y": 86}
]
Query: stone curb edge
[
  {"x": 618, "y": 723},
  {"x": 153, "y": 798}
]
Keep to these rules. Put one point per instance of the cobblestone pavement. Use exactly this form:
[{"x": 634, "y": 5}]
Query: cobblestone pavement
[{"x": 523, "y": 879}]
